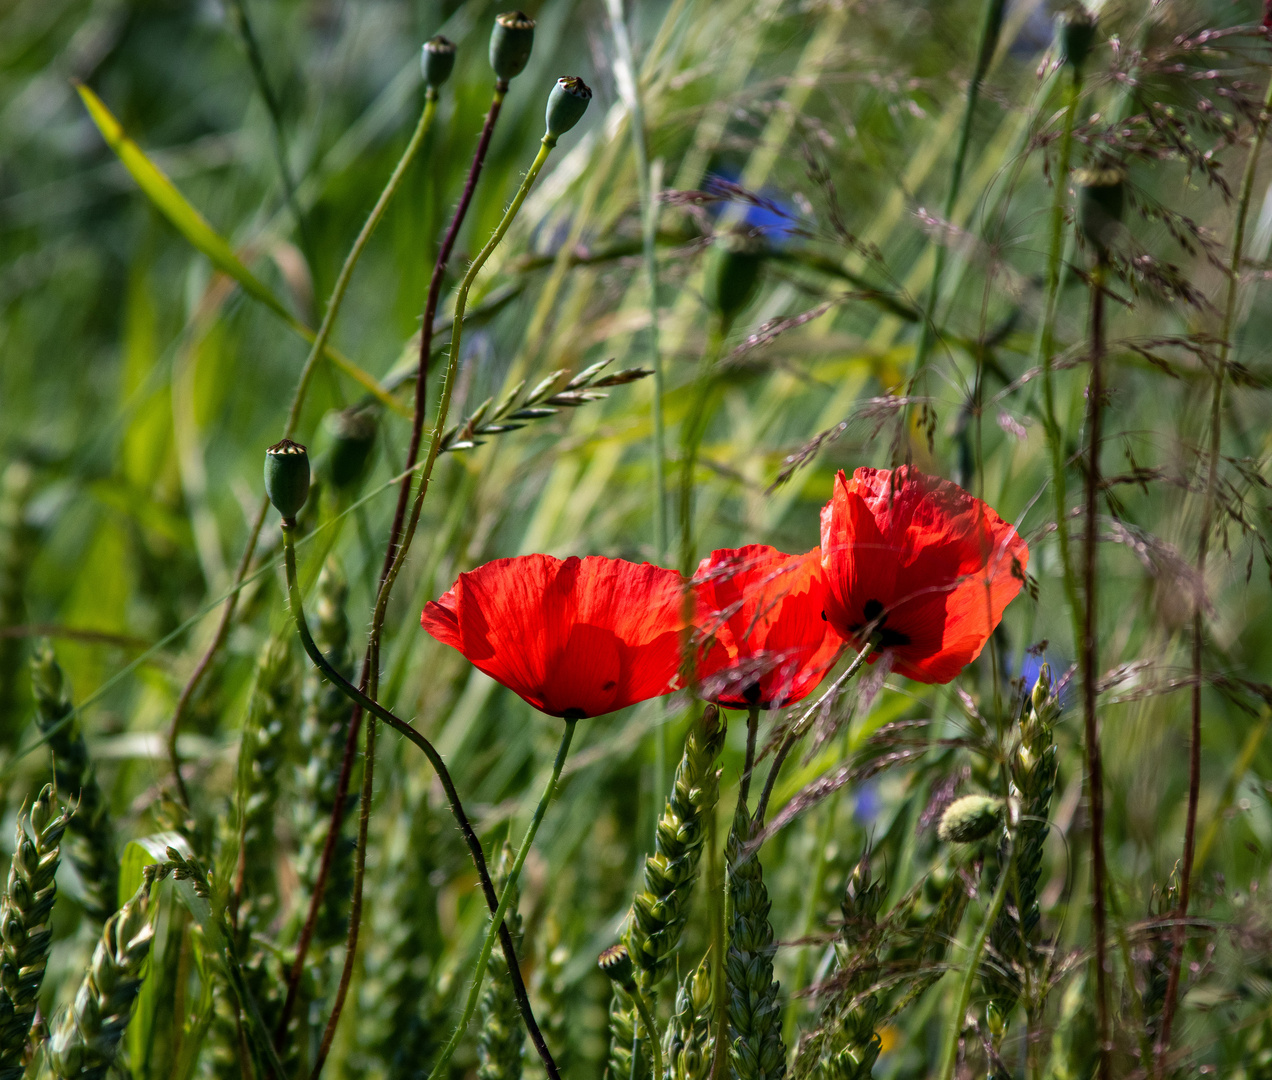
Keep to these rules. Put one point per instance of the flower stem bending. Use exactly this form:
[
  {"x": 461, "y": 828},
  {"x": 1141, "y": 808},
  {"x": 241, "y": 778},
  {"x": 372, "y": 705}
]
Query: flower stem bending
[
  {"x": 448, "y": 785},
  {"x": 509, "y": 890},
  {"x": 293, "y": 418}
]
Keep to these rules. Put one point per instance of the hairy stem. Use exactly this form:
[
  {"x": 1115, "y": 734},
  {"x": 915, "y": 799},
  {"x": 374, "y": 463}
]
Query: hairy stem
[
  {"x": 448, "y": 785},
  {"x": 1203, "y": 547},
  {"x": 505, "y": 897}
]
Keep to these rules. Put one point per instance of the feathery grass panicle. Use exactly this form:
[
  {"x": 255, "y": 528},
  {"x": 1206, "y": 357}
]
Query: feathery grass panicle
[
  {"x": 660, "y": 911},
  {"x": 271, "y": 719},
  {"x": 1014, "y": 937},
  {"x": 756, "y": 1049},
  {"x": 688, "y": 1038},
  {"x": 845, "y": 1044},
  {"x": 933, "y": 930},
  {"x": 86, "y": 1036},
  {"x": 501, "y": 1042},
  {"x": 90, "y": 844},
  {"x": 24, "y": 925},
  {"x": 322, "y": 742}
]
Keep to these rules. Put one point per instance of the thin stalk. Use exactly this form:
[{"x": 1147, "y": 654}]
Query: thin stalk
[
  {"x": 355, "y": 904},
  {"x": 1090, "y": 660},
  {"x": 370, "y": 660},
  {"x": 991, "y": 23},
  {"x": 448, "y": 785},
  {"x": 629, "y": 83},
  {"x": 950, "y": 1055},
  {"x": 646, "y": 1018},
  {"x": 1203, "y": 548},
  {"x": 692, "y": 431},
  {"x": 452, "y": 365},
  {"x": 238, "y": 12},
  {"x": 293, "y": 418},
  {"x": 800, "y": 727},
  {"x": 1043, "y": 352},
  {"x": 748, "y": 766},
  {"x": 496, "y": 922}
]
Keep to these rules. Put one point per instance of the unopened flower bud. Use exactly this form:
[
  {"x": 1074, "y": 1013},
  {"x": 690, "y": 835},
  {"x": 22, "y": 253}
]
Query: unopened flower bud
[
  {"x": 971, "y": 818},
  {"x": 617, "y": 964},
  {"x": 733, "y": 274},
  {"x": 287, "y": 477},
  {"x": 1101, "y": 196},
  {"x": 1077, "y": 35},
  {"x": 510, "y": 43},
  {"x": 352, "y": 440},
  {"x": 437, "y": 61},
  {"x": 1042, "y": 688},
  {"x": 566, "y": 105}
]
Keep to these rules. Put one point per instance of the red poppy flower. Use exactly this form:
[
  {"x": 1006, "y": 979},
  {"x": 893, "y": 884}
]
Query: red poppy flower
[
  {"x": 578, "y": 637},
  {"x": 759, "y": 614},
  {"x": 928, "y": 565}
]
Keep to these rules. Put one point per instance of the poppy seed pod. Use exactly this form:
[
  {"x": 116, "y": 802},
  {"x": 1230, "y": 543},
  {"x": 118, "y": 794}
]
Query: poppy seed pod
[
  {"x": 971, "y": 818},
  {"x": 566, "y": 105},
  {"x": 1077, "y": 35},
  {"x": 352, "y": 433},
  {"x": 437, "y": 61},
  {"x": 733, "y": 274},
  {"x": 1101, "y": 197},
  {"x": 617, "y": 964},
  {"x": 510, "y": 43},
  {"x": 287, "y": 477}
]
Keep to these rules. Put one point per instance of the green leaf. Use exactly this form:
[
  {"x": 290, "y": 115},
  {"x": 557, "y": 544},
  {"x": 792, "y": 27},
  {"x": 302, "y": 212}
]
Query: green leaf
[{"x": 173, "y": 205}]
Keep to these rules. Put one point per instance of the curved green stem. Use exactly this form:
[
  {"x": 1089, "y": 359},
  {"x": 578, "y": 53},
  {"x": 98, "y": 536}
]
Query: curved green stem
[
  {"x": 498, "y": 907},
  {"x": 646, "y": 1018},
  {"x": 474, "y": 991},
  {"x": 293, "y": 418},
  {"x": 950, "y": 1055},
  {"x": 452, "y": 366}
]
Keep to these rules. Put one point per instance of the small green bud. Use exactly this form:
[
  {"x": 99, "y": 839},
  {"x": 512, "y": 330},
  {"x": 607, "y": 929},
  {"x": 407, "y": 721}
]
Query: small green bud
[
  {"x": 287, "y": 477},
  {"x": 617, "y": 964},
  {"x": 971, "y": 818},
  {"x": 1042, "y": 688},
  {"x": 510, "y": 43},
  {"x": 352, "y": 433},
  {"x": 733, "y": 274},
  {"x": 566, "y": 105},
  {"x": 1077, "y": 35},
  {"x": 1101, "y": 196},
  {"x": 437, "y": 61}
]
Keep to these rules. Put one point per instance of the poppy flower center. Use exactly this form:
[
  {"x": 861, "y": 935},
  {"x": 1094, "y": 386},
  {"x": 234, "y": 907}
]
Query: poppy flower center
[{"x": 887, "y": 638}]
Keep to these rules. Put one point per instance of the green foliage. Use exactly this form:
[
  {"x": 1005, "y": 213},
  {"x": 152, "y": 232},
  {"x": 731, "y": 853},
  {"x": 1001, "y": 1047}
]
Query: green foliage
[
  {"x": 86, "y": 1036},
  {"x": 502, "y": 1039},
  {"x": 25, "y": 926},
  {"x": 91, "y": 844},
  {"x": 756, "y": 1049}
]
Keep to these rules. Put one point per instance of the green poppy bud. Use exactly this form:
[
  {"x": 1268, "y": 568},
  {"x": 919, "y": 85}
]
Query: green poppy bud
[
  {"x": 437, "y": 61},
  {"x": 510, "y": 43},
  {"x": 733, "y": 274},
  {"x": 617, "y": 964},
  {"x": 1077, "y": 35},
  {"x": 352, "y": 433},
  {"x": 566, "y": 105},
  {"x": 1101, "y": 197},
  {"x": 287, "y": 477},
  {"x": 971, "y": 818}
]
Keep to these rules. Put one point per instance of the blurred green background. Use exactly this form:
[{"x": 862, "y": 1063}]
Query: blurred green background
[{"x": 138, "y": 390}]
